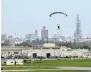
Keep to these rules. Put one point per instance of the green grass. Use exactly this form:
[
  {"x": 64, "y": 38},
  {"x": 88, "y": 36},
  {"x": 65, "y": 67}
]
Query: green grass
[
  {"x": 52, "y": 64},
  {"x": 56, "y": 71},
  {"x": 78, "y": 63},
  {"x": 20, "y": 68},
  {"x": 59, "y": 71},
  {"x": 84, "y": 63}
]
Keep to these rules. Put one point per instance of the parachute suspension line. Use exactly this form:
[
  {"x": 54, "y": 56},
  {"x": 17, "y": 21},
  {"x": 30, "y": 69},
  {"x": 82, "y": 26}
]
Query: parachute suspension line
[
  {"x": 58, "y": 26},
  {"x": 58, "y": 30}
]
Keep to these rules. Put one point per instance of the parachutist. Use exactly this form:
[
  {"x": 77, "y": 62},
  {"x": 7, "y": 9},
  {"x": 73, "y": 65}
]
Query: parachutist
[{"x": 58, "y": 27}]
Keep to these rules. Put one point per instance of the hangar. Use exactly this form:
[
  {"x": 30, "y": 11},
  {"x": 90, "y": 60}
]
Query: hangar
[{"x": 47, "y": 50}]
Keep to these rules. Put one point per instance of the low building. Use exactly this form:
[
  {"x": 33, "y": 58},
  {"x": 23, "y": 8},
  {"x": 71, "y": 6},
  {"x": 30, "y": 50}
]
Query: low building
[
  {"x": 12, "y": 62},
  {"x": 46, "y": 51},
  {"x": 10, "y": 51},
  {"x": 19, "y": 61},
  {"x": 3, "y": 61}
]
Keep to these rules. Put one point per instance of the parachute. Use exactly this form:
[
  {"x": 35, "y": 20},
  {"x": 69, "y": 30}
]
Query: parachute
[
  {"x": 58, "y": 26},
  {"x": 57, "y": 13}
]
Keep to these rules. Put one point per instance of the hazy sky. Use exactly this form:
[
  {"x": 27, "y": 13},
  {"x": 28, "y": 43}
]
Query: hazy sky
[{"x": 24, "y": 16}]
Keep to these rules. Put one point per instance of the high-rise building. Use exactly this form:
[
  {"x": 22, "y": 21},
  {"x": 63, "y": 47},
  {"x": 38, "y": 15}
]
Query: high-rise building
[
  {"x": 10, "y": 37},
  {"x": 10, "y": 40},
  {"x": 36, "y": 34},
  {"x": 30, "y": 37},
  {"x": 3, "y": 37},
  {"x": 18, "y": 40},
  {"x": 44, "y": 33}
]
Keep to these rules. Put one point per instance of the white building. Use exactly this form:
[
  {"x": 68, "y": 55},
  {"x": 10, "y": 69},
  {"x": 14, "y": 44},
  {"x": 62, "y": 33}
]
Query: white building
[
  {"x": 14, "y": 62},
  {"x": 47, "y": 51},
  {"x": 18, "y": 40},
  {"x": 10, "y": 62}
]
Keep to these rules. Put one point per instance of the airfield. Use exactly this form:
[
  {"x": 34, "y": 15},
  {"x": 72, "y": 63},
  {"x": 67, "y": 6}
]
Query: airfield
[
  {"x": 61, "y": 65},
  {"x": 67, "y": 60}
]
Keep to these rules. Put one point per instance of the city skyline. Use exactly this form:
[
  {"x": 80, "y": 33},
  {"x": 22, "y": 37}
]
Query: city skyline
[{"x": 25, "y": 16}]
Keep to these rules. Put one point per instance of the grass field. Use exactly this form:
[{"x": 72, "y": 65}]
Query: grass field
[
  {"x": 51, "y": 64},
  {"x": 78, "y": 63},
  {"x": 60, "y": 71},
  {"x": 82, "y": 63},
  {"x": 57, "y": 71}
]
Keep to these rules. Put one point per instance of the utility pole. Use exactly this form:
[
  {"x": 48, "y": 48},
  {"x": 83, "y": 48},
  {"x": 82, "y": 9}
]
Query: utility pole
[{"x": 78, "y": 34}]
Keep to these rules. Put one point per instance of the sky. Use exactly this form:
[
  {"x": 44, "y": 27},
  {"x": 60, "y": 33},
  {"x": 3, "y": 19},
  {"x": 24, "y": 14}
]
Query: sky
[{"x": 24, "y": 16}]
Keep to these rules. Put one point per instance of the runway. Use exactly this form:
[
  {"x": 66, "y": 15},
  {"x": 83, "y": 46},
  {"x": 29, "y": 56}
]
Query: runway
[
  {"x": 74, "y": 68},
  {"x": 57, "y": 68}
]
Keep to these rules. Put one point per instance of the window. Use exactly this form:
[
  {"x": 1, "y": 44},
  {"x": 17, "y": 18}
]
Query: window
[
  {"x": 46, "y": 48},
  {"x": 69, "y": 50},
  {"x": 34, "y": 55},
  {"x": 15, "y": 52},
  {"x": 55, "y": 48},
  {"x": 8, "y": 52},
  {"x": 62, "y": 49},
  {"x": 11, "y": 62},
  {"x": 4, "y": 62}
]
